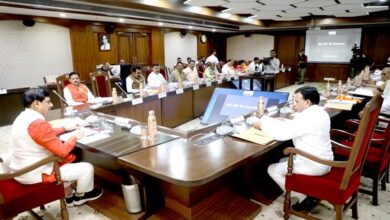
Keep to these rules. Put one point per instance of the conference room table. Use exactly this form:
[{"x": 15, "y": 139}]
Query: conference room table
[{"x": 192, "y": 180}]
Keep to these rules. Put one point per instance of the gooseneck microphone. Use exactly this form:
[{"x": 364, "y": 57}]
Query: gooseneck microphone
[{"x": 60, "y": 97}]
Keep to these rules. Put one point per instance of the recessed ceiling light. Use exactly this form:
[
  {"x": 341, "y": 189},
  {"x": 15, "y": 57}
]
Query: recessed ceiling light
[
  {"x": 189, "y": 27},
  {"x": 62, "y": 15},
  {"x": 213, "y": 30},
  {"x": 160, "y": 24},
  {"x": 121, "y": 20}
]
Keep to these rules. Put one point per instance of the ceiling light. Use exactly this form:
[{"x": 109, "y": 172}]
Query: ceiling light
[
  {"x": 213, "y": 30},
  {"x": 62, "y": 15},
  {"x": 189, "y": 27},
  {"x": 160, "y": 24},
  {"x": 332, "y": 33},
  {"x": 121, "y": 20}
]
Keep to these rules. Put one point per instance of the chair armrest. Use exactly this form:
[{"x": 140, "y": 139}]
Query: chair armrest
[
  {"x": 352, "y": 124},
  {"x": 27, "y": 169},
  {"x": 337, "y": 134},
  {"x": 292, "y": 150},
  {"x": 341, "y": 146}
]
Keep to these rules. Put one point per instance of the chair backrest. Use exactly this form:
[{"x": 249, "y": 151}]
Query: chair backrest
[
  {"x": 62, "y": 81},
  {"x": 50, "y": 79},
  {"x": 101, "y": 84},
  {"x": 362, "y": 140}
]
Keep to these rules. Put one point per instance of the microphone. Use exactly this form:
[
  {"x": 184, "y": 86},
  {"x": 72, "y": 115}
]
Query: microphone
[
  {"x": 119, "y": 85},
  {"x": 60, "y": 97}
]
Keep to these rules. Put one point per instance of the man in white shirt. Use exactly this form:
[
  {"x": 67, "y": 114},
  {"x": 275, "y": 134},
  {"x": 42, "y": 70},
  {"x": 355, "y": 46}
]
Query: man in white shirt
[
  {"x": 255, "y": 66},
  {"x": 228, "y": 68},
  {"x": 76, "y": 93},
  {"x": 155, "y": 78},
  {"x": 191, "y": 72},
  {"x": 212, "y": 58},
  {"x": 309, "y": 131},
  {"x": 385, "y": 109},
  {"x": 271, "y": 68}
]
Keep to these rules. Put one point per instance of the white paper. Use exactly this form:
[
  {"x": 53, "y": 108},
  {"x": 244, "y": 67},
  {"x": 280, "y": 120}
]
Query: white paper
[
  {"x": 196, "y": 87},
  {"x": 208, "y": 84},
  {"x": 179, "y": 91},
  {"x": 137, "y": 101},
  {"x": 162, "y": 95}
]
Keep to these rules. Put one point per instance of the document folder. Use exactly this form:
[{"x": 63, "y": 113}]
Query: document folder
[{"x": 254, "y": 135}]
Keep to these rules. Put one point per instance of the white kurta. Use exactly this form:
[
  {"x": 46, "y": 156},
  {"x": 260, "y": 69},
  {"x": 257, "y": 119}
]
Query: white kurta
[
  {"x": 309, "y": 131},
  {"x": 386, "y": 99},
  {"x": 212, "y": 59},
  {"x": 273, "y": 66},
  {"x": 155, "y": 80}
]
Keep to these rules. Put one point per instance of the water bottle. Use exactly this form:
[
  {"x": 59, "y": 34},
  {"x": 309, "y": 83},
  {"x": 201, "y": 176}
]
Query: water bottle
[
  {"x": 260, "y": 107},
  {"x": 141, "y": 89},
  {"x": 114, "y": 96},
  {"x": 152, "y": 125},
  {"x": 339, "y": 88}
]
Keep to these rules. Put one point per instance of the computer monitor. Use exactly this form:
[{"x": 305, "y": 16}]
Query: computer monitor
[
  {"x": 125, "y": 71},
  {"x": 226, "y": 104}
]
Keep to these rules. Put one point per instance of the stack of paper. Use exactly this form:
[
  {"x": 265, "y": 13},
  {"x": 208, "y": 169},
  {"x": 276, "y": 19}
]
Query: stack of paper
[
  {"x": 340, "y": 104},
  {"x": 363, "y": 92}
]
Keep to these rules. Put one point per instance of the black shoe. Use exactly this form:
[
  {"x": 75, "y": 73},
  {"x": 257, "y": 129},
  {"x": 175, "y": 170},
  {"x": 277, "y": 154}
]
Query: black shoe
[
  {"x": 88, "y": 196},
  {"x": 69, "y": 201},
  {"x": 306, "y": 205}
]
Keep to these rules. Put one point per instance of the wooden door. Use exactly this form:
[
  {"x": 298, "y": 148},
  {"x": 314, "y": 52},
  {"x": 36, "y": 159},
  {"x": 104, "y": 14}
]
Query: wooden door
[
  {"x": 124, "y": 48},
  {"x": 142, "y": 48}
]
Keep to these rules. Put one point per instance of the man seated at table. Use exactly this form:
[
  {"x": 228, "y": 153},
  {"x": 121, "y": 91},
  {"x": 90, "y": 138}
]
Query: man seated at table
[
  {"x": 76, "y": 93},
  {"x": 191, "y": 72},
  {"x": 255, "y": 66},
  {"x": 107, "y": 69},
  {"x": 178, "y": 74},
  {"x": 155, "y": 78},
  {"x": 134, "y": 80},
  {"x": 309, "y": 131},
  {"x": 228, "y": 68},
  {"x": 211, "y": 72},
  {"x": 34, "y": 139}
]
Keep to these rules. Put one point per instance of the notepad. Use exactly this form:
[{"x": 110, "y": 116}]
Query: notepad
[
  {"x": 254, "y": 135},
  {"x": 363, "y": 91},
  {"x": 340, "y": 104}
]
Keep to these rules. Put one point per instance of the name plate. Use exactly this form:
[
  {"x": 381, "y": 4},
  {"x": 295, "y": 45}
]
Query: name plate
[
  {"x": 179, "y": 91},
  {"x": 272, "y": 108},
  {"x": 329, "y": 79},
  {"x": 237, "y": 119},
  {"x": 162, "y": 95},
  {"x": 137, "y": 101},
  {"x": 121, "y": 120},
  {"x": 195, "y": 87},
  {"x": 3, "y": 91},
  {"x": 219, "y": 81},
  {"x": 208, "y": 84}
]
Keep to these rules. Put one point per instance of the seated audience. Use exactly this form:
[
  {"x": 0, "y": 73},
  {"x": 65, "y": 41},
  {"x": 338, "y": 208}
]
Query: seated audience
[
  {"x": 107, "y": 68},
  {"x": 134, "y": 80},
  {"x": 76, "y": 93},
  {"x": 34, "y": 139},
  {"x": 178, "y": 73},
  {"x": 255, "y": 66},
  {"x": 211, "y": 72},
  {"x": 228, "y": 68},
  {"x": 116, "y": 69},
  {"x": 309, "y": 131},
  {"x": 191, "y": 72},
  {"x": 155, "y": 78}
]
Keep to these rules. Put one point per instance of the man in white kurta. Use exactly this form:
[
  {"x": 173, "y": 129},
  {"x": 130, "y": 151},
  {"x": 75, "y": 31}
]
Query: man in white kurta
[
  {"x": 385, "y": 109},
  {"x": 309, "y": 131},
  {"x": 155, "y": 78}
]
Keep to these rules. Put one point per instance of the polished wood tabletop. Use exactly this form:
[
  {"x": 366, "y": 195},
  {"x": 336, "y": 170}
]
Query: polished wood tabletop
[{"x": 188, "y": 164}]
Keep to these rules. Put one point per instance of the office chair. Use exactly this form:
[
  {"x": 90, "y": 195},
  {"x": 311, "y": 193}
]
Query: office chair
[
  {"x": 101, "y": 84},
  {"x": 62, "y": 81},
  {"x": 340, "y": 186},
  {"x": 16, "y": 197},
  {"x": 377, "y": 160}
]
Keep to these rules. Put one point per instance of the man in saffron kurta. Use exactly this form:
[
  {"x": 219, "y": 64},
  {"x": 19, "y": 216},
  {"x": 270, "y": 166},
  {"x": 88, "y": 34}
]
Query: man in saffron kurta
[
  {"x": 76, "y": 93},
  {"x": 34, "y": 139}
]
